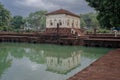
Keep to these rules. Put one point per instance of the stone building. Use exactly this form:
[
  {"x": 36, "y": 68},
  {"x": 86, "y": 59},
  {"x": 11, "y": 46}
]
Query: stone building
[{"x": 68, "y": 22}]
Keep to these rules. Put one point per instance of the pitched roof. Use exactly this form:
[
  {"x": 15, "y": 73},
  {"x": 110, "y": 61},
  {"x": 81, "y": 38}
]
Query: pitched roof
[{"x": 62, "y": 11}]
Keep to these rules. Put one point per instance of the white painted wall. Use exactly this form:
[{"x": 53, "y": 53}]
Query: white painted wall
[{"x": 67, "y": 21}]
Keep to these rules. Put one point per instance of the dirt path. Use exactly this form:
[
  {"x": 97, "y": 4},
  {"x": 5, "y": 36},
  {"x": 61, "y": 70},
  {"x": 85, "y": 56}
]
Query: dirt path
[{"x": 105, "y": 68}]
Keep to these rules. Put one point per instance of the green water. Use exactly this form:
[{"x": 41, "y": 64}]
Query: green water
[{"x": 23, "y": 61}]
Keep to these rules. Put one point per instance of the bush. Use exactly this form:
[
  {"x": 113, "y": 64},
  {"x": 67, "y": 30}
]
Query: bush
[
  {"x": 89, "y": 31},
  {"x": 103, "y": 31}
]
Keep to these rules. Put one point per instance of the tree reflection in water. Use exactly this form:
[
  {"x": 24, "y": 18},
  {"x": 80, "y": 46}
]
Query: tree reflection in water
[{"x": 5, "y": 60}]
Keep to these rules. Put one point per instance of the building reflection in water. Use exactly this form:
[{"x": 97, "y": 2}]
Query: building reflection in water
[{"x": 63, "y": 65}]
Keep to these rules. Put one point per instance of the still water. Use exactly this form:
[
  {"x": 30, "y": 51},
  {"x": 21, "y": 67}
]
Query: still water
[{"x": 23, "y": 61}]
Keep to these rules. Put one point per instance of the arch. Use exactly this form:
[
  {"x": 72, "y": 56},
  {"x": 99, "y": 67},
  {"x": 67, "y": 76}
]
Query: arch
[
  {"x": 77, "y": 23},
  {"x": 61, "y": 43},
  {"x": 55, "y": 22},
  {"x": 60, "y": 23},
  {"x": 72, "y": 23},
  {"x": 51, "y": 23},
  {"x": 68, "y": 22}
]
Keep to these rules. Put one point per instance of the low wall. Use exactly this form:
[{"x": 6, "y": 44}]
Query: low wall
[{"x": 93, "y": 41}]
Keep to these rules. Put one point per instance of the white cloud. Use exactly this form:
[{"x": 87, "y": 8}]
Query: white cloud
[
  {"x": 36, "y": 4},
  {"x": 24, "y": 7}
]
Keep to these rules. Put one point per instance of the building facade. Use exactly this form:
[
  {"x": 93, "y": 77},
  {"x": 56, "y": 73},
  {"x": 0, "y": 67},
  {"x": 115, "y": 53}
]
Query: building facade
[
  {"x": 64, "y": 18},
  {"x": 68, "y": 22}
]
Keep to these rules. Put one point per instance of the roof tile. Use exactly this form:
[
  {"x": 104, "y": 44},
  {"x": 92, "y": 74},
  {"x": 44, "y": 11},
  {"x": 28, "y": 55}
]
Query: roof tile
[{"x": 62, "y": 11}]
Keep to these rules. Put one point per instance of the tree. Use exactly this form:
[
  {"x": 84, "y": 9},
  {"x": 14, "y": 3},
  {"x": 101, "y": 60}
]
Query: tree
[
  {"x": 108, "y": 12},
  {"x": 5, "y": 17},
  {"x": 17, "y": 22},
  {"x": 82, "y": 24},
  {"x": 89, "y": 20},
  {"x": 36, "y": 20}
]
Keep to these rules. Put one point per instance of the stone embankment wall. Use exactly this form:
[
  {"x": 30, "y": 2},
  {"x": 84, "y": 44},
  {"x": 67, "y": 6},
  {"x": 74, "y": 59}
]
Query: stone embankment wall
[{"x": 101, "y": 40}]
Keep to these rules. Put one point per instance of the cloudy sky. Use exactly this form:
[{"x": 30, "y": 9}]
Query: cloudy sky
[{"x": 24, "y": 7}]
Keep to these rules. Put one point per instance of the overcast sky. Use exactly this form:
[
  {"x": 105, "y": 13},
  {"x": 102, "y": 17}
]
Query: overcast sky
[{"x": 24, "y": 7}]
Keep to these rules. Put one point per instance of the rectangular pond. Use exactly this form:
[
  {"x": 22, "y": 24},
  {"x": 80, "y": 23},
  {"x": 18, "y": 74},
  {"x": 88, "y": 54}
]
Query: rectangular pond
[{"x": 23, "y": 61}]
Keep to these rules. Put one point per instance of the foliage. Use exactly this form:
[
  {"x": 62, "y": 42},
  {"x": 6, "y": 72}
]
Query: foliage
[
  {"x": 108, "y": 12},
  {"x": 83, "y": 23},
  {"x": 33, "y": 21},
  {"x": 5, "y": 18},
  {"x": 5, "y": 62},
  {"x": 89, "y": 20},
  {"x": 17, "y": 22},
  {"x": 103, "y": 31},
  {"x": 36, "y": 20}
]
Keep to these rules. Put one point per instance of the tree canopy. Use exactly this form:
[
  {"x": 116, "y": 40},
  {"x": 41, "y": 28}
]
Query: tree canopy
[
  {"x": 4, "y": 17},
  {"x": 17, "y": 22},
  {"x": 89, "y": 20},
  {"x": 36, "y": 19},
  {"x": 108, "y": 12}
]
